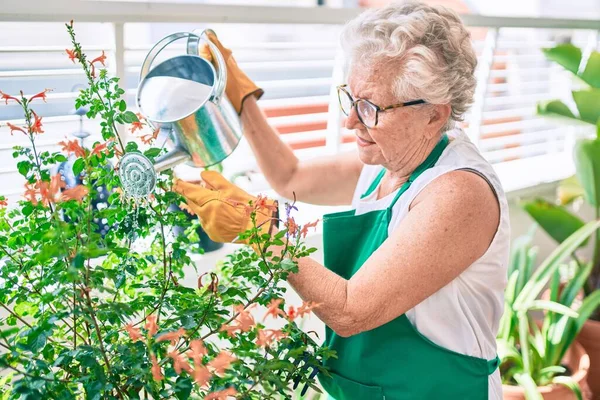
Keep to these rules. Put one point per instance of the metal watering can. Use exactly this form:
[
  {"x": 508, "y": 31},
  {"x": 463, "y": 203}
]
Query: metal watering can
[{"x": 184, "y": 96}]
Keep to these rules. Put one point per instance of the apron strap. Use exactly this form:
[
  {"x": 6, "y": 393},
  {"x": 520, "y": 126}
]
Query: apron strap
[
  {"x": 429, "y": 162},
  {"x": 493, "y": 364},
  {"x": 374, "y": 184}
]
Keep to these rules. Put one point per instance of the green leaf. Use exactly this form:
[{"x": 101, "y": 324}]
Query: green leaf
[
  {"x": 587, "y": 165},
  {"x": 23, "y": 167},
  {"x": 542, "y": 275},
  {"x": 553, "y": 307},
  {"x": 555, "y": 220},
  {"x": 529, "y": 386},
  {"x": 183, "y": 387},
  {"x": 570, "y": 383},
  {"x": 27, "y": 209},
  {"x": 153, "y": 152},
  {"x": 591, "y": 73},
  {"x": 587, "y": 102},
  {"x": 576, "y": 284},
  {"x": 555, "y": 108},
  {"x": 122, "y": 105},
  {"x": 566, "y": 55},
  {"x": 129, "y": 117},
  {"x": 78, "y": 166}
]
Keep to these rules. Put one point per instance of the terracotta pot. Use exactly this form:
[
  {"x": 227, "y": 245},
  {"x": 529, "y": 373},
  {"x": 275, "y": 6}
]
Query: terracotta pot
[
  {"x": 577, "y": 360},
  {"x": 589, "y": 337}
]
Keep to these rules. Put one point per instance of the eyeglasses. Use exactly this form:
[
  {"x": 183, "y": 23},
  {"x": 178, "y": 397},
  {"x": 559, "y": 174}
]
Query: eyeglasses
[{"x": 368, "y": 113}]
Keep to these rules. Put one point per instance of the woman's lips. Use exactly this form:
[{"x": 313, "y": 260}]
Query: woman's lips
[{"x": 362, "y": 142}]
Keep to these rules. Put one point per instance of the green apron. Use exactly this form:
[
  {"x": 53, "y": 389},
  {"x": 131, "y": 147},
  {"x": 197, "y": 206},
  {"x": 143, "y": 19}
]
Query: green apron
[{"x": 393, "y": 361}]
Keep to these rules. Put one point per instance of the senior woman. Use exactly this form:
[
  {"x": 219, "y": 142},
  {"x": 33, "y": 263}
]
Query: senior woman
[{"x": 413, "y": 276}]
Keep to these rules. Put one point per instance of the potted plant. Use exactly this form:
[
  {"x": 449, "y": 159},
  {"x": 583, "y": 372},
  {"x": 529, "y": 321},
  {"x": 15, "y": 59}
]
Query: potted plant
[
  {"x": 541, "y": 358},
  {"x": 556, "y": 219},
  {"x": 103, "y": 316}
]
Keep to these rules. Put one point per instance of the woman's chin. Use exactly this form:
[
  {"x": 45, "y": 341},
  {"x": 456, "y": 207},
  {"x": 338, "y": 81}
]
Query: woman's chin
[{"x": 369, "y": 156}]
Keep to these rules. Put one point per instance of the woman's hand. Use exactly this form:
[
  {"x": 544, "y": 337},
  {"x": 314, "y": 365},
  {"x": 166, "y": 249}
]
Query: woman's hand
[
  {"x": 239, "y": 86},
  {"x": 222, "y": 207}
]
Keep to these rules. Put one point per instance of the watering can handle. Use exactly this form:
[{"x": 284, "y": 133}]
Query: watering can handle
[
  {"x": 193, "y": 41},
  {"x": 221, "y": 67}
]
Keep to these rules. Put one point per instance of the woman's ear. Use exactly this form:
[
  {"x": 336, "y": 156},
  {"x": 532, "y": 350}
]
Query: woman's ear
[{"x": 438, "y": 117}]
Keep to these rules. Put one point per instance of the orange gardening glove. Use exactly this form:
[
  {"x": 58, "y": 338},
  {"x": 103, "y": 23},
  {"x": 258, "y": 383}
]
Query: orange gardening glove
[
  {"x": 238, "y": 86},
  {"x": 224, "y": 209}
]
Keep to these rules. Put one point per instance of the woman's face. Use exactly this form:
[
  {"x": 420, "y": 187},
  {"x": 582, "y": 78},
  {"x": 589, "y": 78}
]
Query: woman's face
[{"x": 401, "y": 134}]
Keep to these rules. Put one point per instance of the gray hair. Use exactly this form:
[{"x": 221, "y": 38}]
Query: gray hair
[{"x": 429, "y": 47}]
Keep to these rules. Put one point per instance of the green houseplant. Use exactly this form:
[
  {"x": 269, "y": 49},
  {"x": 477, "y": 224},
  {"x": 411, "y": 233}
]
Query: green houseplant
[
  {"x": 531, "y": 351},
  {"x": 556, "y": 219},
  {"x": 90, "y": 316}
]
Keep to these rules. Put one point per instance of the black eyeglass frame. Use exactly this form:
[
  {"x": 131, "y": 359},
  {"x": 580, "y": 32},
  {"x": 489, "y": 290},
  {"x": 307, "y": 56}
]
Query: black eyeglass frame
[{"x": 354, "y": 104}]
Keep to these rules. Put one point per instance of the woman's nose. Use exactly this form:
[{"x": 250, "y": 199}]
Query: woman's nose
[{"x": 352, "y": 119}]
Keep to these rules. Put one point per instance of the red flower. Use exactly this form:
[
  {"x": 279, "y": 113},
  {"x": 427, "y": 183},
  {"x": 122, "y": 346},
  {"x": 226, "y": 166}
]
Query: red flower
[
  {"x": 261, "y": 202},
  {"x": 291, "y": 226},
  {"x": 37, "y": 123},
  {"x": 72, "y": 146},
  {"x": 31, "y": 193},
  {"x": 76, "y": 193},
  {"x": 156, "y": 372},
  {"x": 151, "y": 325},
  {"x": 146, "y": 139},
  {"x": 49, "y": 190},
  {"x": 3, "y": 203},
  {"x": 72, "y": 55},
  {"x": 307, "y": 307},
  {"x": 292, "y": 314},
  {"x": 15, "y": 128},
  {"x": 99, "y": 59},
  {"x": 180, "y": 363},
  {"x": 201, "y": 375},
  {"x": 134, "y": 333},
  {"x": 7, "y": 97},
  {"x": 197, "y": 351},
  {"x": 100, "y": 148},
  {"x": 40, "y": 95},
  {"x": 267, "y": 336},
  {"x": 221, "y": 362},
  {"x": 221, "y": 394},
  {"x": 274, "y": 310},
  {"x": 304, "y": 230},
  {"x": 136, "y": 125},
  {"x": 172, "y": 336}
]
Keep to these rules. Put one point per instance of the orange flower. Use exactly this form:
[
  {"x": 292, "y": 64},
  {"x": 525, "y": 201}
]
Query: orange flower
[
  {"x": 146, "y": 139},
  {"x": 172, "y": 336},
  {"x": 15, "y": 128},
  {"x": 274, "y": 310},
  {"x": 7, "y": 97},
  {"x": 180, "y": 363},
  {"x": 72, "y": 55},
  {"x": 151, "y": 325},
  {"x": 72, "y": 146},
  {"x": 261, "y": 202},
  {"x": 197, "y": 351},
  {"x": 134, "y": 333},
  {"x": 99, "y": 59},
  {"x": 221, "y": 394},
  {"x": 267, "y": 336},
  {"x": 76, "y": 193},
  {"x": 100, "y": 148},
  {"x": 292, "y": 314},
  {"x": 40, "y": 95},
  {"x": 291, "y": 226},
  {"x": 49, "y": 190},
  {"x": 156, "y": 372},
  {"x": 3, "y": 203},
  {"x": 221, "y": 362},
  {"x": 304, "y": 230},
  {"x": 37, "y": 123},
  {"x": 31, "y": 193},
  {"x": 306, "y": 308},
  {"x": 201, "y": 375},
  {"x": 230, "y": 329},
  {"x": 136, "y": 125}
]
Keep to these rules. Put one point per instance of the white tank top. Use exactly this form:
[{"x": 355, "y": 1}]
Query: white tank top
[{"x": 464, "y": 315}]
